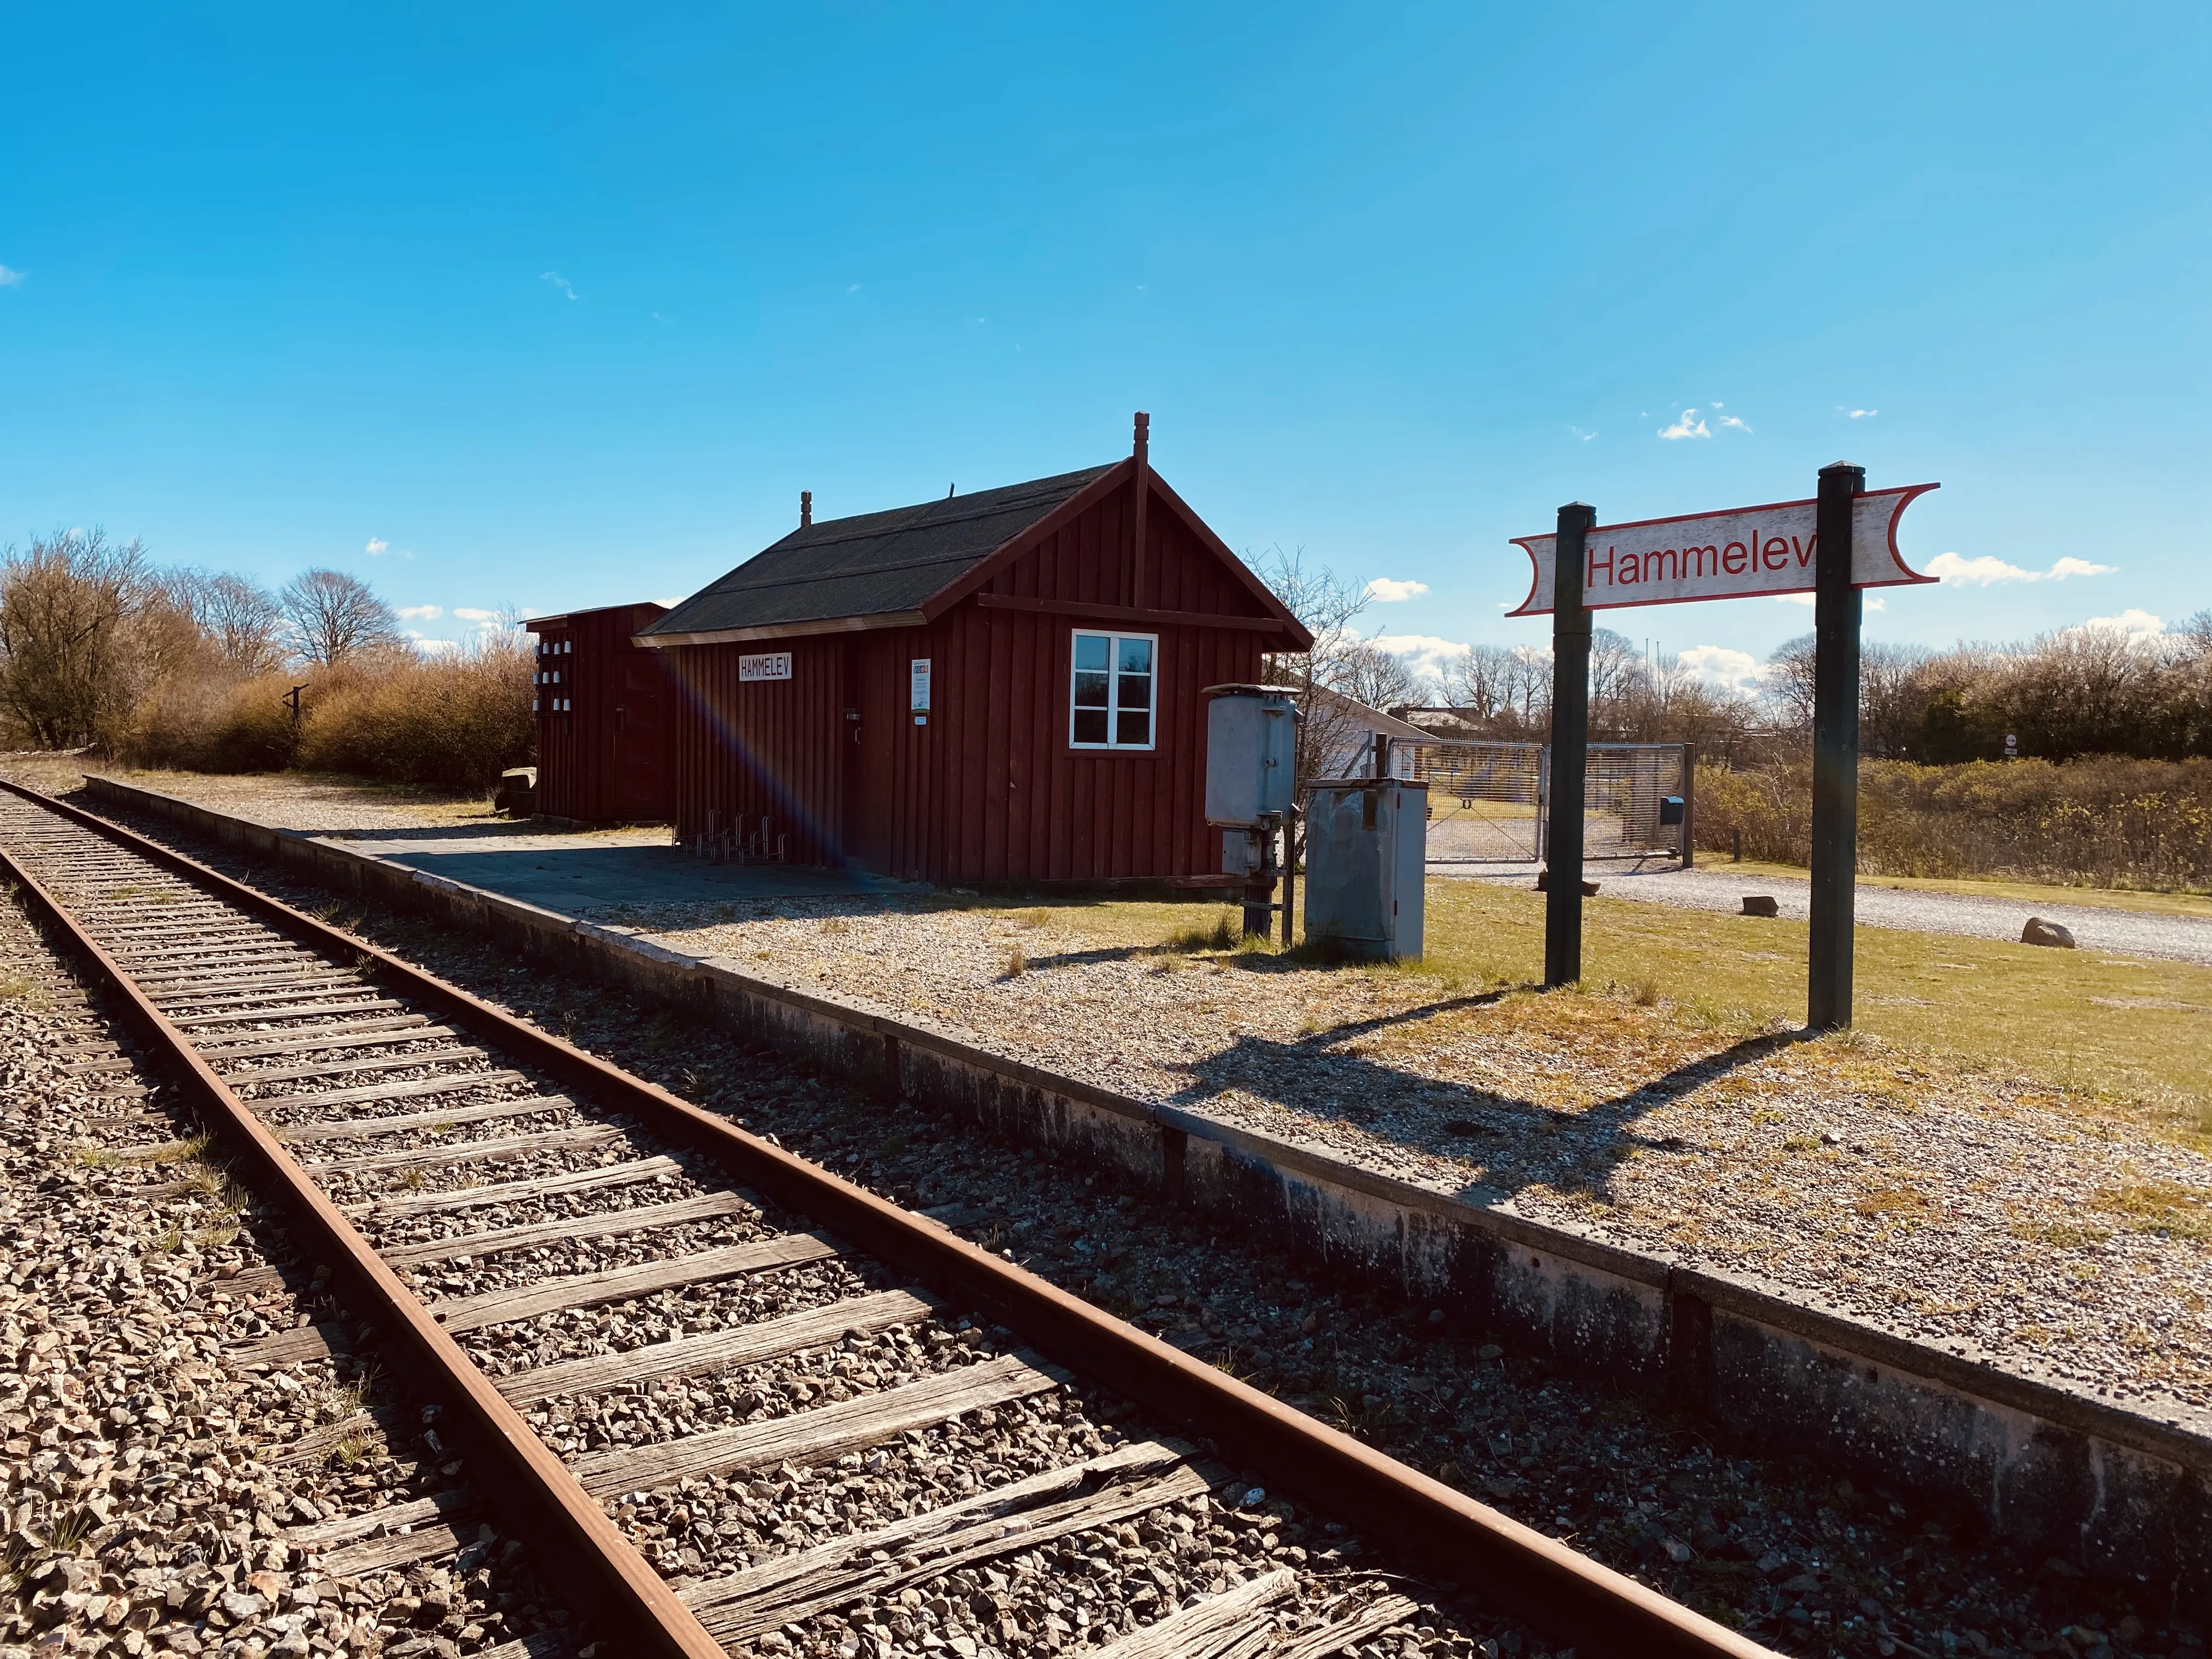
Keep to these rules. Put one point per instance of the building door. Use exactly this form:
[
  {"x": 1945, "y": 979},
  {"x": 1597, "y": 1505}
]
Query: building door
[
  {"x": 869, "y": 716},
  {"x": 641, "y": 759}
]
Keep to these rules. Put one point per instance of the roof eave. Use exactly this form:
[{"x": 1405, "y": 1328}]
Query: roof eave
[{"x": 788, "y": 630}]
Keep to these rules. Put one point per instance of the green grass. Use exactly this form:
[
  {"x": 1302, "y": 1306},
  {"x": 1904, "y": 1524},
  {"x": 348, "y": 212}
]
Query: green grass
[{"x": 2132, "y": 1036}]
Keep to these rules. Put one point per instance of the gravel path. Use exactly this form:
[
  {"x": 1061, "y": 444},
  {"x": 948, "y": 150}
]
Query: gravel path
[
  {"x": 2095, "y": 927},
  {"x": 1810, "y": 1564}
]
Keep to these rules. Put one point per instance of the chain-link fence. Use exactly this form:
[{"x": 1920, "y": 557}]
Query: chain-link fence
[{"x": 1487, "y": 801}]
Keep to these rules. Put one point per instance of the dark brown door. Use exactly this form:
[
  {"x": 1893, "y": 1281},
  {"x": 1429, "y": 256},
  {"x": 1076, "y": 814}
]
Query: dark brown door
[
  {"x": 641, "y": 766},
  {"x": 869, "y": 717}
]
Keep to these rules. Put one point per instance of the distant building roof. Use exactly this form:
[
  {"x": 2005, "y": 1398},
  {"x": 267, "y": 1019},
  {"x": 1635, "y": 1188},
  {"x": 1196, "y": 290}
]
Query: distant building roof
[
  {"x": 1372, "y": 720},
  {"x": 879, "y": 565}
]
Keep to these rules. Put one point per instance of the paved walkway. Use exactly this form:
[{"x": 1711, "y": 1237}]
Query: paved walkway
[
  {"x": 589, "y": 873},
  {"x": 2123, "y": 932}
]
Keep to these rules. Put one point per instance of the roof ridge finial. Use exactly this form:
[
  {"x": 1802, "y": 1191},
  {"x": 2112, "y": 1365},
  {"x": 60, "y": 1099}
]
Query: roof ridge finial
[
  {"x": 805, "y": 508},
  {"x": 1144, "y": 439}
]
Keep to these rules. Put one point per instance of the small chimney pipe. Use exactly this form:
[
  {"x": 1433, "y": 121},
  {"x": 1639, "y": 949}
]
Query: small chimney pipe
[
  {"x": 805, "y": 508},
  {"x": 1144, "y": 437}
]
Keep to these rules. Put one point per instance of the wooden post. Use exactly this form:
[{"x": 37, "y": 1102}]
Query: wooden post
[
  {"x": 1571, "y": 650},
  {"x": 1836, "y": 615},
  {"x": 1689, "y": 804}
]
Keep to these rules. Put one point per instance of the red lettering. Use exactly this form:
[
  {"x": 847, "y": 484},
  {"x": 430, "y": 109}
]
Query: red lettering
[
  {"x": 1597, "y": 564},
  {"x": 1733, "y": 558},
  {"x": 1774, "y": 554},
  {"x": 1703, "y": 553},
  {"x": 1632, "y": 569},
  {"x": 1804, "y": 557}
]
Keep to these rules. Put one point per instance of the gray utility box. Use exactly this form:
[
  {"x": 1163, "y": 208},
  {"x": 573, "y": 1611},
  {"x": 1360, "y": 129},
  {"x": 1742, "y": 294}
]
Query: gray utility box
[
  {"x": 1251, "y": 754},
  {"x": 1367, "y": 844}
]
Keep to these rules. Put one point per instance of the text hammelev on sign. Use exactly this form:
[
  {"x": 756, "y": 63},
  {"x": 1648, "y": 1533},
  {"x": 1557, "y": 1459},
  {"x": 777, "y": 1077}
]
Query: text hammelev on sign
[
  {"x": 1740, "y": 553},
  {"x": 764, "y": 666}
]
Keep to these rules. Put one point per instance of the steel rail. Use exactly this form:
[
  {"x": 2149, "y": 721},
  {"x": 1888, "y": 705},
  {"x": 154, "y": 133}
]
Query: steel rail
[
  {"x": 542, "y": 1503},
  {"x": 1533, "y": 1576}
]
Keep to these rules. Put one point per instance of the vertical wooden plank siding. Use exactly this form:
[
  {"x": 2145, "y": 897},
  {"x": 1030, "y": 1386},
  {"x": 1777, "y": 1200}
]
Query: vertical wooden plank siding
[
  {"x": 988, "y": 790},
  {"x": 580, "y": 774}
]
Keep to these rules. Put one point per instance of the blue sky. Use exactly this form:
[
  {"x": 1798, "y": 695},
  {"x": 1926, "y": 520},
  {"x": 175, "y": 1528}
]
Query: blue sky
[{"x": 555, "y": 305}]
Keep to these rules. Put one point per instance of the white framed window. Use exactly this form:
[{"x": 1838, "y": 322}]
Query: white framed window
[{"x": 1112, "y": 696}]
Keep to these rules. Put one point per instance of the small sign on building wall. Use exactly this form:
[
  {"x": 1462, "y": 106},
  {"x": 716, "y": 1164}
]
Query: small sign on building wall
[
  {"x": 766, "y": 665},
  {"x": 918, "y": 690}
]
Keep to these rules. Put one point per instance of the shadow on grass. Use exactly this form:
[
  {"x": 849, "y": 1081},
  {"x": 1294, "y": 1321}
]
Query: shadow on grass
[{"x": 1577, "y": 1151}]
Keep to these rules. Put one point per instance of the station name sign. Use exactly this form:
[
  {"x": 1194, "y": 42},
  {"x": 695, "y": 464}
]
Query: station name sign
[
  {"x": 1741, "y": 553},
  {"x": 765, "y": 665}
]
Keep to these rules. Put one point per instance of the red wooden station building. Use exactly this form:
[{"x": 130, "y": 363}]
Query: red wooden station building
[{"x": 1005, "y": 686}]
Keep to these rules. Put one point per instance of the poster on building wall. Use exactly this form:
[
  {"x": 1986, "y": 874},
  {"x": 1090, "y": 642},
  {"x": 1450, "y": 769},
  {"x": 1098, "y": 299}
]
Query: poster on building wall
[
  {"x": 765, "y": 665},
  {"x": 918, "y": 685}
]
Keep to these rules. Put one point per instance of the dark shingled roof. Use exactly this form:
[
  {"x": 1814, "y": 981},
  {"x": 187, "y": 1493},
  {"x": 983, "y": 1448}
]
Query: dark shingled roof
[{"x": 875, "y": 564}]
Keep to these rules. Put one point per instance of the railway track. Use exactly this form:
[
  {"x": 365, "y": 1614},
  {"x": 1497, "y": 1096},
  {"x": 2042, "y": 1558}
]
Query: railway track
[{"x": 728, "y": 1401}]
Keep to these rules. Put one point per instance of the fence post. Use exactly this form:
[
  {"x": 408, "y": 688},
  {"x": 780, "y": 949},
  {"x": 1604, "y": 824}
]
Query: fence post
[{"x": 1689, "y": 804}]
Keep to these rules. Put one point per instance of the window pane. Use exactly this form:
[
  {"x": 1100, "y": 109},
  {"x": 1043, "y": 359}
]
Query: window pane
[
  {"x": 1136, "y": 656},
  {"x": 1132, "y": 726},
  {"x": 1089, "y": 689},
  {"x": 1091, "y": 651},
  {"x": 1135, "y": 691},
  {"x": 1090, "y": 724}
]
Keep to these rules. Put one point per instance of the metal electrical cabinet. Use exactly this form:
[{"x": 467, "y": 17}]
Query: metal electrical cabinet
[
  {"x": 1251, "y": 754},
  {"x": 1366, "y": 855}
]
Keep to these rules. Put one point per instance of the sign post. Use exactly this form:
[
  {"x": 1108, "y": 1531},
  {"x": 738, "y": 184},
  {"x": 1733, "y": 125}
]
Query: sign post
[
  {"x": 1571, "y": 653},
  {"x": 1837, "y": 611},
  {"x": 1842, "y": 540}
]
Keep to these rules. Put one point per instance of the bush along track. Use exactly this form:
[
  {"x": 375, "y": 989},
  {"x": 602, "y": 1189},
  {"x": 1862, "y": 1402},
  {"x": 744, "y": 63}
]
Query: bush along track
[{"x": 1805, "y": 1563}]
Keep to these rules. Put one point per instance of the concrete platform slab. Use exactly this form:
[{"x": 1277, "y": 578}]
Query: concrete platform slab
[{"x": 592, "y": 872}]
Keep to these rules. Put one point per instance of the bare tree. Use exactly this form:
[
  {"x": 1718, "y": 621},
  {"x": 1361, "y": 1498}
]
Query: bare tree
[
  {"x": 65, "y": 606},
  {"x": 1328, "y": 605},
  {"x": 330, "y": 616},
  {"x": 240, "y": 619},
  {"x": 1789, "y": 684},
  {"x": 1365, "y": 673}
]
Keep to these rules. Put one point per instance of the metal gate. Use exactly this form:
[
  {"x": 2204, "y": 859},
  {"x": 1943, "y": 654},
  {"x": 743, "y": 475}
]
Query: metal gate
[{"x": 1487, "y": 801}]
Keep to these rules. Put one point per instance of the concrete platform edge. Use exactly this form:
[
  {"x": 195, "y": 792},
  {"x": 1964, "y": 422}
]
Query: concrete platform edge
[{"x": 2117, "y": 1493}]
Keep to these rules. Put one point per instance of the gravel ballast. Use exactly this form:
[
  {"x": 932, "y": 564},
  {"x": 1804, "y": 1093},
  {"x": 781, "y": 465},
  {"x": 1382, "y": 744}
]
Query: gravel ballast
[
  {"x": 1807, "y": 1564},
  {"x": 148, "y": 1493}
]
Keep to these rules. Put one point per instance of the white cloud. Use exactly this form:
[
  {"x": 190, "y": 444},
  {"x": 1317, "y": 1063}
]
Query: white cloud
[
  {"x": 1984, "y": 569},
  {"x": 1579, "y": 433},
  {"x": 1731, "y": 420},
  {"x": 1862, "y": 414},
  {"x": 376, "y": 545},
  {"x": 1385, "y": 591},
  {"x": 11, "y": 278},
  {"x": 853, "y": 288},
  {"x": 2136, "y": 624},
  {"x": 434, "y": 647},
  {"x": 1688, "y": 426},
  {"x": 567, "y": 287},
  {"x": 420, "y": 613},
  {"x": 468, "y": 615},
  {"x": 1425, "y": 654},
  {"x": 1723, "y": 666},
  {"x": 1793, "y": 599}
]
